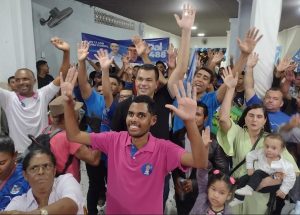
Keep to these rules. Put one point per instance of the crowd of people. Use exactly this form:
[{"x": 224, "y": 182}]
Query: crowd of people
[{"x": 227, "y": 150}]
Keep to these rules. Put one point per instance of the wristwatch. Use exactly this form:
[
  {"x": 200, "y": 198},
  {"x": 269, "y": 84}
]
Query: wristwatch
[{"x": 43, "y": 211}]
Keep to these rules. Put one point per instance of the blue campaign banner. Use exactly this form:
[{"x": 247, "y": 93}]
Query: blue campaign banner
[
  {"x": 159, "y": 47},
  {"x": 96, "y": 43},
  {"x": 296, "y": 58}
]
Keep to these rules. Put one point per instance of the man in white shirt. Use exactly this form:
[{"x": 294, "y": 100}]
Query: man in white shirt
[{"x": 25, "y": 109}]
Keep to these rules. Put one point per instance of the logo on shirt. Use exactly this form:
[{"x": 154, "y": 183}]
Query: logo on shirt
[
  {"x": 147, "y": 169},
  {"x": 15, "y": 189}
]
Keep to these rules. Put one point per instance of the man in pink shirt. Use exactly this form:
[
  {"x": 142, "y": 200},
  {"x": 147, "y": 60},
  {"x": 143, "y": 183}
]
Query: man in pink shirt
[{"x": 137, "y": 161}]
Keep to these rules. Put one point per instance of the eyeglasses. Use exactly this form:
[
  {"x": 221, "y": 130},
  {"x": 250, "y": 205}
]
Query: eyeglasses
[{"x": 47, "y": 167}]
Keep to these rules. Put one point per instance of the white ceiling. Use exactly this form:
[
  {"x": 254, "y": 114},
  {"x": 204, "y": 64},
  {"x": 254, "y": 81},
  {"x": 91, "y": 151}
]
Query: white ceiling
[{"x": 212, "y": 15}]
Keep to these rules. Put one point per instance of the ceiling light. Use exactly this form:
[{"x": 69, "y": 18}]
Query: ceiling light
[
  {"x": 200, "y": 34},
  {"x": 194, "y": 27}
]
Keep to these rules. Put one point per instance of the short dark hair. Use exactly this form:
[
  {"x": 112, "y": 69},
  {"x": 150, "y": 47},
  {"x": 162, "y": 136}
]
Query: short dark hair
[
  {"x": 7, "y": 145},
  {"x": 149, "y": 67},
  {"x": 149, "y": 101},
  {"x": 277, "y": 137},
  {"x": 39, "y": 64},
  {"x": 115, "y": 77},
  {"x": 160, "y": 62},
  {"x": 204, "y": 106},
  {"x": 274, "y": 89},
  {"x": 9, "y": 79},
  {"x": 241, "y": 122},
  {"x": 35, "y": 151},
  {"x": 212, "y": 74}
]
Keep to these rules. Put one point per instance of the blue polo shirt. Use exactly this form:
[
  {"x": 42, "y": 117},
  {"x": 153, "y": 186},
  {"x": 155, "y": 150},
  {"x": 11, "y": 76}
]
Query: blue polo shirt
[{"x": 16, "y": 185}]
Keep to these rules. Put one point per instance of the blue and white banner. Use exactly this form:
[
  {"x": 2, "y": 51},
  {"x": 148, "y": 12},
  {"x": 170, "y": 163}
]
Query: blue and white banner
[
  {"x": 159, "y": 47},
  {"x": 296, "y": 58}
]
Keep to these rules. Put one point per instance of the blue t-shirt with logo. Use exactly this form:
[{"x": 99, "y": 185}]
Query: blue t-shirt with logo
[{"x": 16, "y": 185}]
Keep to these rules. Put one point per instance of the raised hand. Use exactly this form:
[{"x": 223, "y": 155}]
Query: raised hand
[
  {"x": 187, "y": 104},
  {"x": 217, "y": 57},
  {"x": 68, "y": 84},
  {"x": 172, "y": 55},
  {"x": 103, "y": 58},
  {"x": 126, "y": 61},
  {"x": 252, "y": 60},
  {"x": 187, "y": 17},
  {"x": 248, "y": 44},
  {"x": 82, "y": 50},
  {"x": 60, "y": 44},
  {"x": 283, "y": 64},
  {"x": 206, "y": 137},
  {"x": 290, "y": 76},
  {"x": 228, "y": 78},
  {"x": 141, "y": 46}
]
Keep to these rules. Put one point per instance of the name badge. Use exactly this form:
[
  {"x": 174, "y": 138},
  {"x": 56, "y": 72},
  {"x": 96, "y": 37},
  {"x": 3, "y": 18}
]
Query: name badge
[{"x": 147, "y": 169}]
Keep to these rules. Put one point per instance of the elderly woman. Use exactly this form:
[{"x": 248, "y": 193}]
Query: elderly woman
[
  {"x": 12, "y": 182},
  {"x": 48, "y": 195},
  {"x": 238, "y": 139}
]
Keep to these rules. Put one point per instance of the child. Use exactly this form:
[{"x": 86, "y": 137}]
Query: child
[
  {"x": 214, "y": 190},
  {"x": 268, "y": 163}
]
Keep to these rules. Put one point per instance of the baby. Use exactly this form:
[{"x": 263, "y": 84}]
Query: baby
[{"x": 268, "y": 163}]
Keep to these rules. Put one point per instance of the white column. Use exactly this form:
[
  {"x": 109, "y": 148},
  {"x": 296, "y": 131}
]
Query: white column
[
  {"x": 266, "y": 17},
  {"x": 17, "y": 40},
  {"x": 234, "y": 33}
]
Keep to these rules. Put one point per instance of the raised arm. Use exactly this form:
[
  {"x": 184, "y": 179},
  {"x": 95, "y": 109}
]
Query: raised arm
[
  {"x": 65, "y": 47},
  {"x": 142, "y": 48},
  {"x": 96, "y": 68},
  {"x": 249, "y": 79},
  {"x": 186, "y": 110},
  {"x": 105, "y": 62},
  {"x": 185, "y": 23},
  {"x": 282, "y": 66},
  {"x": 216, "y": 59},
  {"x": 246, "y": 46},
  {"x": 286, "y": 83},
  {"x": 82, "y": 53},
  {"x": 71, "y": 124},
  {"x": 230, "y": 82},
  {"x": 172, "y": 56}
]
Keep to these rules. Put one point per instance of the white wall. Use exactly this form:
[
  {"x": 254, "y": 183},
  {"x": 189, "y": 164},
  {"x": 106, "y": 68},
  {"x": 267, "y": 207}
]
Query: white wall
[
  {"x": 289, "y": 39},
  {"x": 82, "y": 20},
  {"x": 16, "y": 41},
  {"x": 151, "y": 32},
  {"x": 211, "y": 42}
]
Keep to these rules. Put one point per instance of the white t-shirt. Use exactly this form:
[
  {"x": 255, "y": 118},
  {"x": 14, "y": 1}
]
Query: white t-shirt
[
  {"x": 26, "y": 116},
  {"x": 65, "y": 186}
]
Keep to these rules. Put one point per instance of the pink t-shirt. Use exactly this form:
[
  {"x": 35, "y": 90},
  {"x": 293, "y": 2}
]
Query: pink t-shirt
[
  {"x": 62, "y": 148},
  {"x": 135, "y": 183}
]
